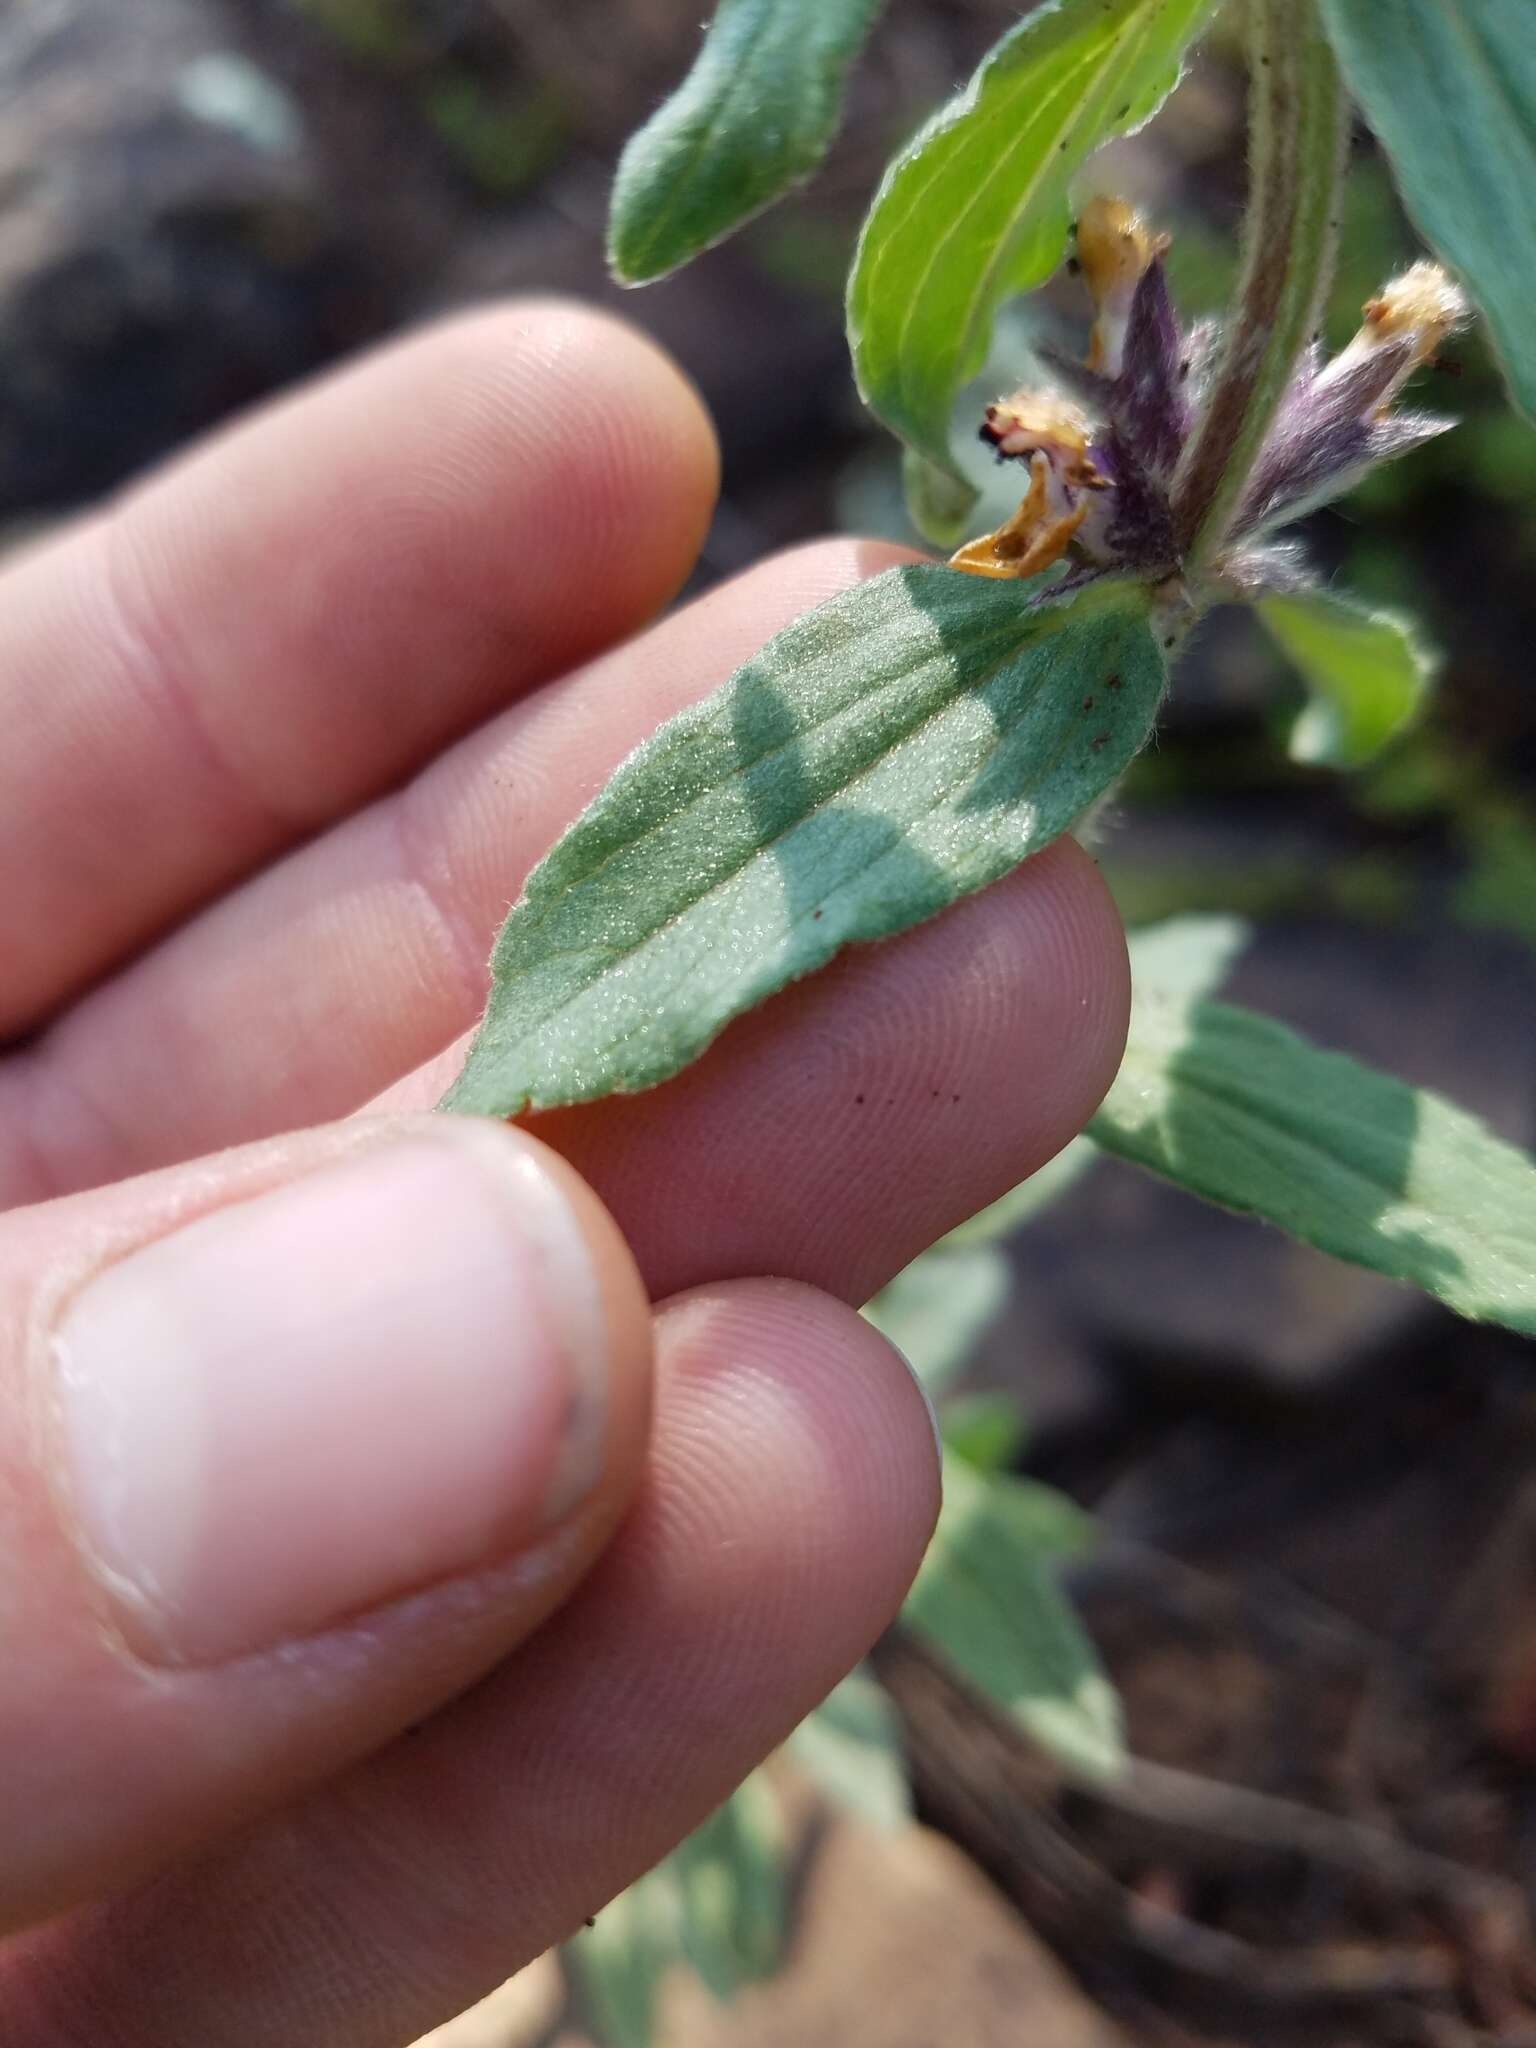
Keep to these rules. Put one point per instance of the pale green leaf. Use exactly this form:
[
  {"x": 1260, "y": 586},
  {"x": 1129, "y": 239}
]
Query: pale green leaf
[
  {"x": 1366, "y": 671},
  {"x": 850, "y": 1747},
  {"x": 719, "y": 1904},
  {"x": 937, "y": 1310},
  {"x": 938, "y": 501},
  {"x": 1238, "y": 1108},
  {"x": 976, "y": 206},
  {"x": 988, "y": 1597},
  {"x": 904, "y": 744},
  {"x": 1184, "y": 957},
  {"x": 753, "y": 117},
  {"x": 1450, "y": 88}
]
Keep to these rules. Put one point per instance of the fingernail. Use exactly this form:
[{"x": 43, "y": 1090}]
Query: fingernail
[{"x": 306, "y": 1404}]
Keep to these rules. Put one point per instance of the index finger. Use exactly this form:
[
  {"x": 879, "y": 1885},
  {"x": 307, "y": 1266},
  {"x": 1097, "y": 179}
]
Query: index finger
[{"x": 294, "y": 617}]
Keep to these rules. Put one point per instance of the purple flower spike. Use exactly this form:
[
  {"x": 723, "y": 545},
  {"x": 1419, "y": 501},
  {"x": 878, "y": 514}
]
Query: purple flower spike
[
  {"x": 1103, "y": 460},
  {"x": 1148, "y": 402}
]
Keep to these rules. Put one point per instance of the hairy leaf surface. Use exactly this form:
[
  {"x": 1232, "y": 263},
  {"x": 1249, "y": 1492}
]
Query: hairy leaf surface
[
  {"x": 1238, "y": 1108},
  {"x": 977, "y": 205},
  {"x": 1450, "y": 88},
  {"x": 753, "y": 117},
  {"x": 902, "y": 745}
]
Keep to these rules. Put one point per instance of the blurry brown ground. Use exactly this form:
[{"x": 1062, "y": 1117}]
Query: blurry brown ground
[{"x": 1317, "y": 1591}]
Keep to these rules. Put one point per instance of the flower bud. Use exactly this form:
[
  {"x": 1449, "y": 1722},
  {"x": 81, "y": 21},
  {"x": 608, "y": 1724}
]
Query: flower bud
[{"x": 1114, "y": 247}]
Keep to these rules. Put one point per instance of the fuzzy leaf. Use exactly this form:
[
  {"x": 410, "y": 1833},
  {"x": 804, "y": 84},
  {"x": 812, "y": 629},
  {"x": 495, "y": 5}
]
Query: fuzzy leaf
[
  {"x": 1239, "y": 1109},
  {"x": 1450, "y": 88},
  {"x": 987, "y": 1596},
  {"x": 754, "y": 116},
  {"x": 902, "y": 745},
  {"x": 850, "y": 1747},
  {"x": 719, "y": 1904},
  {"x": 976, "y": 206},
  {"x": 1365, "y": 669}
]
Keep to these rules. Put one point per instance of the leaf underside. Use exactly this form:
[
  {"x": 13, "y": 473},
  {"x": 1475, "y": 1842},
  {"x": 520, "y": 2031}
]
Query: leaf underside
[
  {"x": 976, "y": 207},
  {"x": 1238, "y": 1108},
  {"x": 902, "y": 745},
  {"x": 753, "y": 117},
  {"x": 1449, "y": 86}
]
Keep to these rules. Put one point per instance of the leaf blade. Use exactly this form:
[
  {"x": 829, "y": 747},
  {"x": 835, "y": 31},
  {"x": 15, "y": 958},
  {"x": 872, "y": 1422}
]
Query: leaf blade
[
  {"x": 1238, "y": 1108},
  {"x": 987, "y": 1595},
  {"x": 850, "y": 1748},
  {"x": 937, "y": 1310},
  {"x": 1450, "y": 90},
  {"x": 904, "y": 744},
  {"x": 1366, "y": 671},
  {"x": 755, "y": 115},
  {"x": 719, "y": 1904},
  {"x": 976, "y": 206}
]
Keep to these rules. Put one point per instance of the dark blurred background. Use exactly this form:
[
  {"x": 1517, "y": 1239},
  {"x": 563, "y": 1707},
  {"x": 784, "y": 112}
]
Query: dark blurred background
[{"x": 202, "y": 200}]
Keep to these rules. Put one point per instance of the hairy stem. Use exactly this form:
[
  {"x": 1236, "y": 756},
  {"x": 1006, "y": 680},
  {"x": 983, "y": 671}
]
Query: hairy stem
[{"x": 1297, "y": 134}]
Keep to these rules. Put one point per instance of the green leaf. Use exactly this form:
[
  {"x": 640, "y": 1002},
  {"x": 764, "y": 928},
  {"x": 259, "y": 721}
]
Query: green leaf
[
  {"x": 1367, "y": 672},
  {"x": 893, "y": 750},
  {"x": 937, "y": 1310},
  {"x": 976, "y": 206},
  {"x": 1022, "y": 1204},
  {"x": 987, "y": 1430},
  {"x": 1238, "y": 1108},
  {"x": 718, "y": 1904},
  {"x": 754, "y": 116},
  {"x": 1450, "y": 88},
  {"x": 988, "y": 1597},
  {"x": 938, "y": 502},
  {"x": 1184, "y": 957},
  {"x": 851, "y": 1748}
]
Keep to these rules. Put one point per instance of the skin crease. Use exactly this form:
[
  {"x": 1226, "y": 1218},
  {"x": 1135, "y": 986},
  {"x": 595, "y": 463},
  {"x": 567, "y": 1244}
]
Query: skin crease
[{"x": 337, "y": 679}]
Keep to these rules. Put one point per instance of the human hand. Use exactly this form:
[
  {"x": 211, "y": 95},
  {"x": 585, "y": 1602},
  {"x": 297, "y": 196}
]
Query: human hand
[{"x": 302, "y": 1441}]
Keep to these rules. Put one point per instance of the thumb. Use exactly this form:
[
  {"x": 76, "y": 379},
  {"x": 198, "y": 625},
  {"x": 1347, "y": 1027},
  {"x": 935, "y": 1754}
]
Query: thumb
[{"x": 295, "y": 1443}]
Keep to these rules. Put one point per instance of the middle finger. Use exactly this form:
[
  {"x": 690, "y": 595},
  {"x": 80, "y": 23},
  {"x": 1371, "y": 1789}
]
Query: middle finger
[{"x": 927, "y": 1075}]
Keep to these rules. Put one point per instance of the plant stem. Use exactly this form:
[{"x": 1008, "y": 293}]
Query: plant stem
[{"x": 1297, "y": 135}]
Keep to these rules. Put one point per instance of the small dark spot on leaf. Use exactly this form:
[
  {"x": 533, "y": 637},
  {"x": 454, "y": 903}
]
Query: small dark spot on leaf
[
  {"x": 1100, "y": 740},
  {"x": 859, "y": 1101},
  {"x": 814, "y": 915},
  {"x": 1111, "y": 682},
  {"x": 1184, "y": 369},
  {"x": 1063, "y": 143},
  {"x": 1087, "y": 703},
  {"x": 1121, "y": 112},
  {"x": 1170, "y": 640},
  {"x": 954, "y": 1098},
  {"x": 590, "y": 1921}
]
